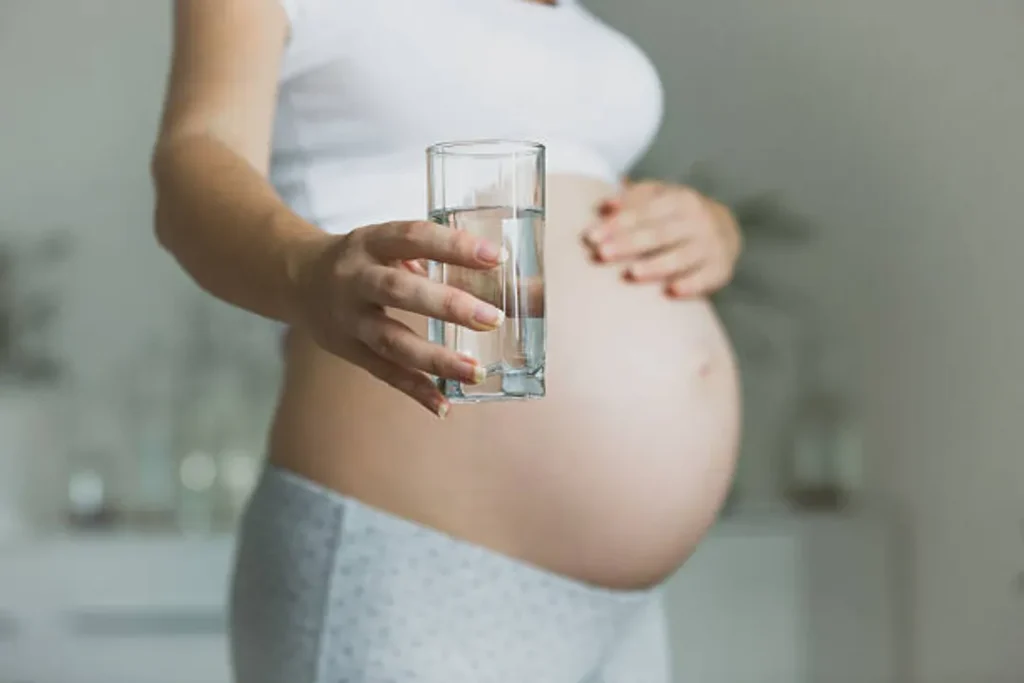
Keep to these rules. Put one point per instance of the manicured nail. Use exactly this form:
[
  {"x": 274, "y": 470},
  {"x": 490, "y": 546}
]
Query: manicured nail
[
  {"x": 486, "y": 251},
  {"x": 442, "y": 410},
  {"x": 479, "y": 374},
  {"x": 488, "y": 315},
  {"x": 593, "y": 234},
  {"x": 473, "y": 373}
]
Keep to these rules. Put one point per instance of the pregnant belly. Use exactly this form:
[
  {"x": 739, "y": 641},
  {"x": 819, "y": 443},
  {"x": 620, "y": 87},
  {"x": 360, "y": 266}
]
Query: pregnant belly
[{"x": 612, "y": 478}]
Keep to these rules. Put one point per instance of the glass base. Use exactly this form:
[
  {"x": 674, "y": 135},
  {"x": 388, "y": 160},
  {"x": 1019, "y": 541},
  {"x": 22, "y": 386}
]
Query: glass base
[{"x": 507, "y": 385}]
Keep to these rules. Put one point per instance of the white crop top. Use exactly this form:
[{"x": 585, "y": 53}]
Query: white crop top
[{"x": 367, "y": 85}]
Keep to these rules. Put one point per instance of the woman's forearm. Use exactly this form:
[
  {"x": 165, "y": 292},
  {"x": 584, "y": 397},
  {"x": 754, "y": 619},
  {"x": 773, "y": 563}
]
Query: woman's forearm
[{"x": 226, "y": 226}]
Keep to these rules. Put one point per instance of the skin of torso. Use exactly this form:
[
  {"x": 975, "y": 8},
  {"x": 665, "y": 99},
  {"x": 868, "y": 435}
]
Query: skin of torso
[{"x": 612, "y": 478}]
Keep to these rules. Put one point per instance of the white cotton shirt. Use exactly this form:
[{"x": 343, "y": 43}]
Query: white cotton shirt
[{"x": 367, "y": 85}]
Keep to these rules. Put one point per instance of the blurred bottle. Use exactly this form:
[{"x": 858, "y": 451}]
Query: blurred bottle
[
  {"x": 826, "y": 454},
  {"x": 197, "y": 475},
  {"x": 30, "y": 378},
  {"x": 825, "y": 466},
  {"x": 89, "y": 504}
]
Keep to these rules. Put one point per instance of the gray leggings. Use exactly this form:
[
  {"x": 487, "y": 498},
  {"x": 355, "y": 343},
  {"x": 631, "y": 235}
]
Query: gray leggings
[{"x": 330, "y": 590}]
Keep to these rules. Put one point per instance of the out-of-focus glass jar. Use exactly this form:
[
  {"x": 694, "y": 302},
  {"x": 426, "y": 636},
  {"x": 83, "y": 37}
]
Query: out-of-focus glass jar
[{"x": 824, "y": 468}]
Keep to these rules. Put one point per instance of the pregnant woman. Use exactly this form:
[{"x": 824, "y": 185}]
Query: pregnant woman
[{"x": 393, "y": 537}]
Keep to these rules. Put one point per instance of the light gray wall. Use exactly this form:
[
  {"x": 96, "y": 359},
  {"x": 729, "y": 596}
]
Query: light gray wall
[
  {"x": 895, "y": 122},
  {"x": 81, "y": 84},
  {"x": 899, "y": 125}
]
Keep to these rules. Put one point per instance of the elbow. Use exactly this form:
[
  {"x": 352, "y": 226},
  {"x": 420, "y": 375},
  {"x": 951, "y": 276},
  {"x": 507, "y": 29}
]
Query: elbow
[
  {"x": 161, "y": 228},
  {"x": 162, "y": 224}
]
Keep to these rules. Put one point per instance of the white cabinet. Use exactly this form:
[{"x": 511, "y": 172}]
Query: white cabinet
[
  {"x": 784, "y": 600},
  {"x": 96, "y": 610},
  {"x": 810, "y": 600},
  {"x": 735, "y": 611}
]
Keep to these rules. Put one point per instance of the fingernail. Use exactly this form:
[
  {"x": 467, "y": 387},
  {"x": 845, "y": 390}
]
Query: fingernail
[
  {"x": 488, "y": 315},
  {"x": 442, "y": 410},
  {"x": 607, "y": 251},
  {"x": 471, "y": 372},
  {"x": 593, "y": 234},
  {"x": 486, "y": 251},
  {"x": 479, "y": 374}
]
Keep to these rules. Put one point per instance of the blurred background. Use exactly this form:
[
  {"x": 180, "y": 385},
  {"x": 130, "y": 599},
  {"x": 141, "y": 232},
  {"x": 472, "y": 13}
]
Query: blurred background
[{"x": 875, "y": 153}]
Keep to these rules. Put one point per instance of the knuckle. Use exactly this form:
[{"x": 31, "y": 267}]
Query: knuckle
[
  {"x": 416, "y": 231},
  {"x": 388, "y": 342},
  {"x": 450, "y": 302},
  {"x": 393, "y": 285}
]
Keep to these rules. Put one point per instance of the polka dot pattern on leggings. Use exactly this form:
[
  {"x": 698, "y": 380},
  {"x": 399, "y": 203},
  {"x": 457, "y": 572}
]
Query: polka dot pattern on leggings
[{"x": 330, "y": 590}]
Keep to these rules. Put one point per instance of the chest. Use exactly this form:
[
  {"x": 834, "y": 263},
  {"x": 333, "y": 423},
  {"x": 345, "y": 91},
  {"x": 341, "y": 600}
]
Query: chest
[{"x": 423, "y": 70}]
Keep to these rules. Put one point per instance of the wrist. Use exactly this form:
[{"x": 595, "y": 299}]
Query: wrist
[{"x": 303, "y": 254}]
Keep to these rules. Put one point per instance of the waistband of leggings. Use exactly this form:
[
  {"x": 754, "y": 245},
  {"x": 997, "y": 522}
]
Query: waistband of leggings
[{"x": 360, "y": 517}]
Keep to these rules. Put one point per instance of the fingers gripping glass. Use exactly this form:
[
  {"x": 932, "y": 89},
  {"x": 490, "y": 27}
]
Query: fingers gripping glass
[{"x": 494, "y": 189}]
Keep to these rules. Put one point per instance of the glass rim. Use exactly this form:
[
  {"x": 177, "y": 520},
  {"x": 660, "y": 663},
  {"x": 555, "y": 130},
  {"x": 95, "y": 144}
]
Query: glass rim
[{"x": 486, "y": 147}]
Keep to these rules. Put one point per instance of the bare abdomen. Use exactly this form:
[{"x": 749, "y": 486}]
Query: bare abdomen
[{"x": 612, "y": 478}]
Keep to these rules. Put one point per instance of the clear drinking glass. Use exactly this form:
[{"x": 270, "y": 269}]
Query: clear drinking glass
[{"x": 495, "y": 190}]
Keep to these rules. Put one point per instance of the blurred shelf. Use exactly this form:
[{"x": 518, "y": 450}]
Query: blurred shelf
[
  {"x": 115, "y": 569},
  {"x": 738, "y": 522},
  {"x": 746, "y": 521},
  {"x": 802, "y": 595}
]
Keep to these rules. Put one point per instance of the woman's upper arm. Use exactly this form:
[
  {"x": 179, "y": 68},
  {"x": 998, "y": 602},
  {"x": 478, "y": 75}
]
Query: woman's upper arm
[{"x": 223, "y": 77}]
